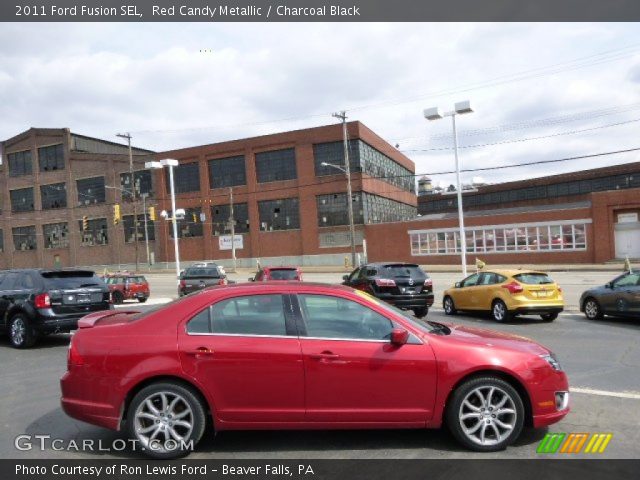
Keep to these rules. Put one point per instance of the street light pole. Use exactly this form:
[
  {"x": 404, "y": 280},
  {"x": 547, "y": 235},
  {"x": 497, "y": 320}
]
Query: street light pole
[
  {"x": 434, "y": 113},
  {"x": 232, "y": 224},
  {"x": 133, "y": 197},
  {"x": 347, "y": 170},
  {"x": 146, "y": 231}
]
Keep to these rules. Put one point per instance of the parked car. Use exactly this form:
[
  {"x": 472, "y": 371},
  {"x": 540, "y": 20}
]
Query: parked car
[
  {"x": 277, "y": 273},
  {"x": 198, "y": 277},
  {"x": 619, "y": 297},
  {"x": 36, "y": 302},
  {"x": 127, "y": 286},
  {"x": 404, "y": 285},
  {"x": 506, "y": 293},
  {"x": 303, "y": 356}
]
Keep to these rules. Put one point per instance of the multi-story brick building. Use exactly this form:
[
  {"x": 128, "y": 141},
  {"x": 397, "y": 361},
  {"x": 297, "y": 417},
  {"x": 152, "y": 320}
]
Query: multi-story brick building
[{"x": 52, "y": 180}]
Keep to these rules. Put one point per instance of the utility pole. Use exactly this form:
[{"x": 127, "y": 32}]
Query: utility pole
[
  {"x": 232, "y": 224},
  {"x": 133, "y": 197},
  {"x": 347, "y": 170},
  {"x": 146, "y": 231}
]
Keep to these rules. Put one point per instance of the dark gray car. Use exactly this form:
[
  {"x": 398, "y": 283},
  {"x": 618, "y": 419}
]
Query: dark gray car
[
  {"x": 199, "y": 277},
  {"x": 619, "y": 297}
]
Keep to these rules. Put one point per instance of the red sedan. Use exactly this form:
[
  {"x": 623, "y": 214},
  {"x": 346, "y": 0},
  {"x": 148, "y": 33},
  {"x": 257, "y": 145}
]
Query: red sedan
[{"x": 302, "y": 356}]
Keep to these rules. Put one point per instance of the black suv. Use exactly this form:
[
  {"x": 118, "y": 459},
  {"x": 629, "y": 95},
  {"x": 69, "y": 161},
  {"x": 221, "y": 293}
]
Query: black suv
[
  {"x": 38, "y": 302},
  {"x": 200, "y": 276},
  {"x": 404, "y": 285}
]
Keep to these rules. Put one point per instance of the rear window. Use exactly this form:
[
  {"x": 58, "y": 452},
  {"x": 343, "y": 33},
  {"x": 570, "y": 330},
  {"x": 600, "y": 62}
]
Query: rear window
[
  {"x": 65, "y": 280},
  {"x": 413, "y": 271},
  {"x": 202, "y": 272},
  {"x": 283, "y": 274},
  {"x": 533, "y": 278}
]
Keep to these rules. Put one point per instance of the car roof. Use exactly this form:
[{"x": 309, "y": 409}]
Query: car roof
[
  {"x": 388, "y": 264},
  {"x": 282, "y": 286},
  {"x": 283, "y": 267},
  {"x": 511, "y": 272}
]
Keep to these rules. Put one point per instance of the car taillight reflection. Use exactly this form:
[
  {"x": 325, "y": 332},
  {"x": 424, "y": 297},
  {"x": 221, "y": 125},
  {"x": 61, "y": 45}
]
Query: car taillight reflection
[
  {"x": 42, "y": 301},
  {"x": 513, "y": 287}
]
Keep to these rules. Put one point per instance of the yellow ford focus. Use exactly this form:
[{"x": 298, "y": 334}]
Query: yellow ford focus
[{"x": 506, "y": 293}]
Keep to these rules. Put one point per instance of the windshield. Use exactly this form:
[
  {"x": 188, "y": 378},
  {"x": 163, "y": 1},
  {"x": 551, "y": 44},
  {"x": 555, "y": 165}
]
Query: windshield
[
  {"x": 69, "y": 280},
  {"x": 533, "y": 278},
  {"x": 413, "y": 271},
  {"x": 283, "y": 274},
  {"x": 202, "y": 272}
]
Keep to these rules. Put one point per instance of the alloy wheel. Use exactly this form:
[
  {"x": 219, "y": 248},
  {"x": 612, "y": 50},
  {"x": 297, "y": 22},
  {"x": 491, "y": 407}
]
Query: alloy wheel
[
  {"x": 591, "y": 309},
  {"x": 18, "y": 331},
  {"x": 164, "y": 420},
  {"x": 487, "y": 415},
  {"x": 448, "y": 306},
  {"x": 499, "y": 311}
]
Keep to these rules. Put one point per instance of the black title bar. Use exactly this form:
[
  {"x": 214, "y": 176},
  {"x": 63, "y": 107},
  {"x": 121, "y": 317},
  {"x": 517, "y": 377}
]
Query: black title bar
[{"x": 318, "y": 10}]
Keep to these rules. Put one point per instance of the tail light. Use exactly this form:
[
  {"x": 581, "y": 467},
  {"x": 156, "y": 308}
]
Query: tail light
[
  {"x": 559, "y": 289},
  {"x": 42, "y": 301},
  {"x": 182, "y": 284},
  {"x": 73, "y": 356},
  {"x": 385, "y": 282},
  {"x": 428, "y": 282},
  {"x": 222, "y": 281},
  {"x": 513, "y": 287}
]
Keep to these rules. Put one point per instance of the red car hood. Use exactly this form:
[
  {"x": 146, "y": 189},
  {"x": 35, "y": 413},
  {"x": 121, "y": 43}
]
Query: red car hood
[{"x": 480, "y": 336}]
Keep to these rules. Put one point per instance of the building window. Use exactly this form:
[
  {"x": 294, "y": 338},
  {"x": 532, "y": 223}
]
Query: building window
[
  {"x": 190, "y": 225},
  {"x": 20, "y": 163},
  {"x": 279, "y": 214},
  {"x": 95, "y": 234},
  {"x": 143, "y": 183},
  {"x": 22, "y": 200},
  {"x": 276, "y": 165},
  {"x": 220, "y": 218},
  {"x": 333, "y": 153},
  {"x": 53, "y": 196},
  {"x": 227, "y": 172},
  {"x": 533, "y": 237},
  {"x": 333, "y": 209},
  {"x": 383, "y": 210},
  {"x": 56, "y": 235},
  {"x": 186, "y": 178},
  {"x": 24, "y": 238},
  {"x": 130, "y": 228},
  {"x": 90, "y": 191},
  {"x": 51, "y": 158}
]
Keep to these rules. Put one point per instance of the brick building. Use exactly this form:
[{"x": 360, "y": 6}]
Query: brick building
[
  {"x": 51, "y": 180},
  {"x": 288, "y": 207},
  {"x": 591, "y": 216}
]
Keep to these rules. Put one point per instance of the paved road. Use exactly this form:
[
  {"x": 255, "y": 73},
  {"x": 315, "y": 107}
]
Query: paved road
[{"x": 601, "y": 358}]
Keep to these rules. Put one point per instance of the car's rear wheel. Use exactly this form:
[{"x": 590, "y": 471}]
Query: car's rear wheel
[
  {"x": 21, "y": 333},
  {"x": 549, "y": 317},
  {"x": 166, "y": 419},
  {"x": 485, "y": 414},
  {"x": 500, "y": 312},
  {"x": 420, "y": 312},
  {"x": 448, "y": 306},
  {"x": 117, "y": 297},
  {"x": 592, "y": 309},
  {"x": 142, "y": 299}
]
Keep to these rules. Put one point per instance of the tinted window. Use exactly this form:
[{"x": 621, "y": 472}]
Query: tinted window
[
  {"x": 334, "y": 317},
  {"x": 471, "y": 280},
  {"x": 283, "y": 274},
  {"x": 10, "y": 281},
  {"x": 489, "y": 279},
  {"x": 202, "y": 272},
  {"x": 630, "y": 280},
  {"x": 251, "y": 315},
  {"x": 200, "y": 323},
  {"x": 533, "y": 278},
  {"x": 67, "y": 280},
  {"x": 413, "y": 271},
  {"x": 25, "y": 281}
]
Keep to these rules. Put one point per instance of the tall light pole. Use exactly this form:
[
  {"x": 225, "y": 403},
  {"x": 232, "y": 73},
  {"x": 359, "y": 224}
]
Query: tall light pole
[
  {"x": 347, "y": 171},
  {"x": 146, "y": 231},
  {"x": 232, "y": 225},
  {"x": 435, "y": 113},
  {"x": 133, "y": 197},
  {"x": 169, "y": 162}
]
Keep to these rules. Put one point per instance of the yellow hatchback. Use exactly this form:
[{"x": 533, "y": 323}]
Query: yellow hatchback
[{"x": 506, "y": 293}]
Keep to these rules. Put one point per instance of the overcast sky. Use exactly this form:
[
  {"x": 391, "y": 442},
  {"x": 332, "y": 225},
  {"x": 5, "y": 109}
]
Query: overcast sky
[{"x": 178, "y": 85}]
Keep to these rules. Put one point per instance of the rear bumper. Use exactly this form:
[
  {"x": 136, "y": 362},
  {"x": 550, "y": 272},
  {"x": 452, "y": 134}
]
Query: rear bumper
[
  {"x": 408, "y": 301},
  {"x": 75, "y": 404},
  {"x": 48, "y": 322},
  {"x": 538, "y": 310}
]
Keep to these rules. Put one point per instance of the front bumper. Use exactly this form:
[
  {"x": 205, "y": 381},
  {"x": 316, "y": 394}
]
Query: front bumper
[{"x": 550, "y": 400}]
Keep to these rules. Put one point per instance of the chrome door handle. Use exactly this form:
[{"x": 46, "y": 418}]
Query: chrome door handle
[{"x": 200, "y": 351}]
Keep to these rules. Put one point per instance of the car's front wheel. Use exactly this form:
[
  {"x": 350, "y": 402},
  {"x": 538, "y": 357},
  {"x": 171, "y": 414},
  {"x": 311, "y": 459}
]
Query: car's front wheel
[
  {"x": 166, "y": 419},
  {"x": 485, "y": 414},
  {"x": 592, "y": 309},
  {"x": 448, "y": 306},
  {"x": 420, "y": 312},
  {"x": 142, "y": 299},
  {"x": 117, "y": 297},
  {"x": 21, "y": 334},
  {"x": 500, "y": 312},
  {"x": 549, "y": 317}
]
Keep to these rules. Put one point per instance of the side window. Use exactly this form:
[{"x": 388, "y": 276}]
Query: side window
[
  {"x": 254, "y": 315},
  {"x": 259, "y": 276},
  {"x": 372, "y": 272},
  {"x": 10, "y": 281},
  {"x": 471, "y": 280},
  {"x": 25, "y": 281},
  {"x": 488, "y": 279},
  {"x": 354, "y": 274},
  {"x": 335, "y": 317},
  {"x": 630, "y": 280},
  {"x": 200, "y": 323},
  {"x": 2, "y": 277}
]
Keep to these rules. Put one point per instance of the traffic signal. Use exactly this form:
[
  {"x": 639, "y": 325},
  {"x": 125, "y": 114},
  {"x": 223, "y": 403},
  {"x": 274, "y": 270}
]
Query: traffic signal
[
  {"x": 116, "y": 214},
  {"x": 195, "y": 217},
  {"x": 152, "y": 214},
  {"x": 85, "y": 223}
]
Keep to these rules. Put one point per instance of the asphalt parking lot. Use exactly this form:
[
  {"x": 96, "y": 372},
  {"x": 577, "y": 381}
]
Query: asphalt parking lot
[{"x": 601, "y": 358}]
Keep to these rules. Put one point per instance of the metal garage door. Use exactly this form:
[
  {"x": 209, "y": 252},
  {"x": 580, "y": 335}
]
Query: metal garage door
[{"x": 627, "y": 240}]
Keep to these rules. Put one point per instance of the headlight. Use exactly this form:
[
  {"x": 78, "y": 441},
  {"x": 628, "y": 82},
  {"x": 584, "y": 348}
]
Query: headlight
[{"x": 552, "y": 360}]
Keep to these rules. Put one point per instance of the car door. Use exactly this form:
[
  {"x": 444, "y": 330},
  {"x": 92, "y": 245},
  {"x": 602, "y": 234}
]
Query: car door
[
  {"x": 463, "y": 293},
  {"x": 6, "y": 281},
  {"x": 246, "y": 352},
  {"x": 481, "y": 295},
  {"x": 627, "y": 294},
  {"x": 353, "y": 374}
]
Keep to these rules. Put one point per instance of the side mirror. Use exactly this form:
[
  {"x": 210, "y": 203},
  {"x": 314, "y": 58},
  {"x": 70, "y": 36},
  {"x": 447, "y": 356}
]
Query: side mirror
[
  {"x": 609, "y": 285},
  {"x": 458, "y": 285},
  {"x": 251, "y": 279},
  {"x": 345, "y": 278},
  {"x": 399, "y": 336}
]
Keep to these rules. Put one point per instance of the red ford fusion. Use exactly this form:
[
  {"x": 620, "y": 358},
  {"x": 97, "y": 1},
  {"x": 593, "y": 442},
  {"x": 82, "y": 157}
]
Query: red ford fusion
[{"x": 303, "y": 356}]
